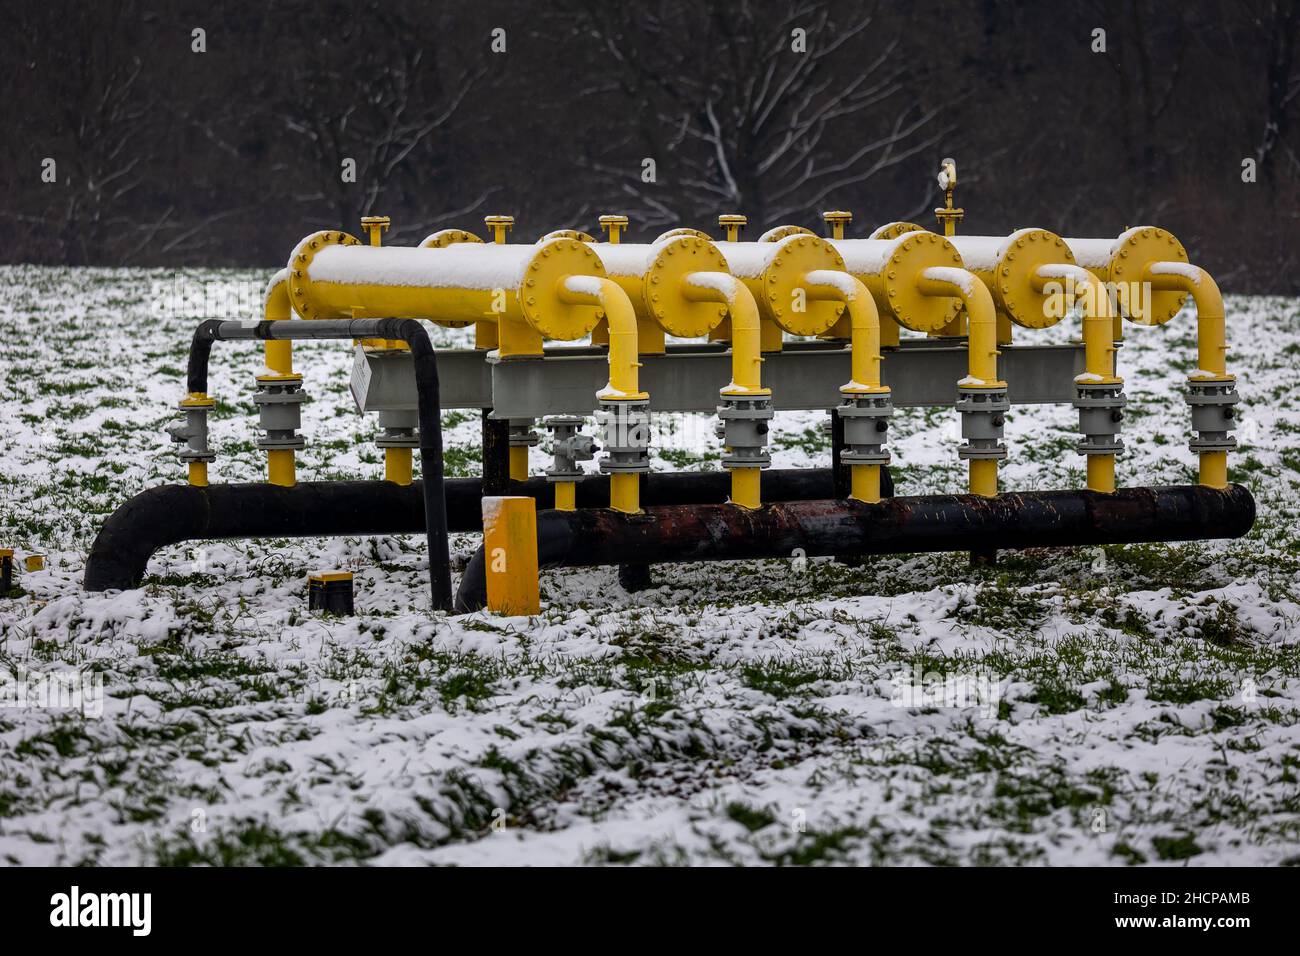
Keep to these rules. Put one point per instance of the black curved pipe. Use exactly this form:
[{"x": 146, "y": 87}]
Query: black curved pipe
[
  {"x": 428, "y": 405},
  {"x": 170, "y": 514},
  {"x": 894, "y": 525}
]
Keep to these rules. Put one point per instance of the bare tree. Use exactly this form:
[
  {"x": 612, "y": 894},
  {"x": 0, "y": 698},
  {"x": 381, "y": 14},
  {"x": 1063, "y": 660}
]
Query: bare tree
[
  {"x": 378, "y": 97},
  {"x": 745, "y": 112}
]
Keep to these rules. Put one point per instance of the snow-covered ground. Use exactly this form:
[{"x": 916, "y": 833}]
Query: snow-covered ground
[{"x": 1126, "y": 705}]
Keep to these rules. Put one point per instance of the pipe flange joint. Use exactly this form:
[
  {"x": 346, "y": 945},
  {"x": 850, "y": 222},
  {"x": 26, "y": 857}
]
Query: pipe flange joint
[
  {"x": 1101, "y": 416},
  {"x": 1213, "y": 415},
  {"x": 983, "y": 415},
  {"x": 522, "y": 434},
  {"x": 624, "y": 436},
  {"x": 401, "y": 428},
  {"x": 193, "y": 431},
  {"x": 866, "y": 426},
  {"x": 569, "y": 447},
  {"x": 279, "y": 407},
  {"x": 743, "y": 428}
]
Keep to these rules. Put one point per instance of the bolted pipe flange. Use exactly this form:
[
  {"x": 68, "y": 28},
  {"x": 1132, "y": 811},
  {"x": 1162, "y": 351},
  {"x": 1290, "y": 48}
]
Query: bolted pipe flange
[
  {"x": 569, "y": 447},
  {"x": 625, "y": 436},
  {"x": 983, "y": 414},
  {"x": 401, "y": 428},
  {"x": 743, "y": 429},
  {"x": 279, "y": 407},
  {"x": 193, "y": 431},
  {"x": 866, "y": 426},
  {"x": 1213, "y": 415},
  {"x": 1101, "y": 417},
  {"x": 522, "y": 434}
]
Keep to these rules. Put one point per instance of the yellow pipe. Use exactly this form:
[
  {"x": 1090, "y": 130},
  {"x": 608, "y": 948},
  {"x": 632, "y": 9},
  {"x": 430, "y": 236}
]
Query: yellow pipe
[
  {"x": 276, "y": 307},
  {"x": 566, "y": 498},
  {"x": 746, "y": 333},
  {"x": 397, "y": 465},
  {"x": 1098, "y": 350},
  {"x": 519, "y": 463},
  {"x": 981, "y": 349},
  {"x": 623, "y": 386},
  {"x": 746, "y": 359},
  {"x": 746, "y": 487},
  {"x": 198, "y": 474},
  {"x": 864, "y": 345},
  {"x": 1211, "y": 335},
  {"x": 280, "y": 467},
  {"x": 1211, "y": 342}
]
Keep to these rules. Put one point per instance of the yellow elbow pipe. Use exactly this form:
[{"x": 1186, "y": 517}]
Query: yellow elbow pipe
[
  {"x": 276, "y": 307},
  {"x": 623, "y": 386},
  {"x": 746, "y": 328},
  {"x": 864, "y": 344},
  {"x": 1211, "y": 334},
  {"x": 281, "y": 465},
  {"x": 1098, "y": 349},
  {"x": 746, "y": 360},
  {"x": 621, "y": 317},
  {"x": 981, "y": 350},
  {"x": 1211, "y": 342}
]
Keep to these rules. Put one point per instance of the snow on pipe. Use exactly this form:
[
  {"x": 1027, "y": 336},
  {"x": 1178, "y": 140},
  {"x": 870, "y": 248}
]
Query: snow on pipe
[{"x": 595, "y": 537}]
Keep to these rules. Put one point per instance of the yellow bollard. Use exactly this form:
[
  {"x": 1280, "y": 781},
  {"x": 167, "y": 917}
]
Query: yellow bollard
[{"x": 510, "y": 555}]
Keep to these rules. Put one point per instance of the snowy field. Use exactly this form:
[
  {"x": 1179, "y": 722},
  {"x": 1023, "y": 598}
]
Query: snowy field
[{"x": 1121, "y": 706}]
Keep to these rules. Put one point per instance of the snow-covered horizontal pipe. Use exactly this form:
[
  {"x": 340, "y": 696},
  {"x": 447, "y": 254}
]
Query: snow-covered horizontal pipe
[{"x": 462, "y": 266}]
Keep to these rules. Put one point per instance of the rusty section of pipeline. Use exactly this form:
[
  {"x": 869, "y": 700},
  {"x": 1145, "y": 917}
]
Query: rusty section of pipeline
[{"x": 714, "y": 532}]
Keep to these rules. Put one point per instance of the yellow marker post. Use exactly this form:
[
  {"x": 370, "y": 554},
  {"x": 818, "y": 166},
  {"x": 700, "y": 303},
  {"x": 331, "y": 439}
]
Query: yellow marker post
[{"x": 510, "y": 555}]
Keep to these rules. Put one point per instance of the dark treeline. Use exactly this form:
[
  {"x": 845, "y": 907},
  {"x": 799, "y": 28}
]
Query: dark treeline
[{"x": 671, "y": 111}]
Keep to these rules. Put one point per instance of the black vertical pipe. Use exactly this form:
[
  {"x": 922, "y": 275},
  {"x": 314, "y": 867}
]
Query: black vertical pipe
[
  {"x": 839, "y": 470},
  {"x": 496, "y": 454}
]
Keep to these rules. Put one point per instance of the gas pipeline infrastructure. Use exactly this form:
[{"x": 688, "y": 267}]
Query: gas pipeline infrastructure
[{"x": 760, "y": 326}]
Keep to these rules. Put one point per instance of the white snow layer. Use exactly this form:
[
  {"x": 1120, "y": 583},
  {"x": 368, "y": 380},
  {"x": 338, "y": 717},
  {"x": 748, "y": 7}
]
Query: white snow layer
[{"x": 483, "y": 266}]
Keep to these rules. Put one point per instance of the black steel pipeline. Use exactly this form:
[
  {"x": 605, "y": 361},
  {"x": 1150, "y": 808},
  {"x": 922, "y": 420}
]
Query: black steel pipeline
[
  {"x": 892, "y": 526},
  {"x": 170, "y": 514},
  {"x": 428, "y": 404}
]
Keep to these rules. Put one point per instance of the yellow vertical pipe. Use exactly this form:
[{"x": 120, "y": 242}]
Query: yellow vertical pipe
[
  {"x": 864, "y": 483},
  {"x": 625, "y": 492},
  {"x": 566, "y": 498},
  {"x": 280, "y": 467},
  {"x": 623, "y": 386},
  {"x": 198, "y": 473},
  {"x": 746, "y": 487},
  {"x": 746, "y": 361},
  {"x": 1098, "y": 349},
  {"x": 1101, "y": 473},
  {"x": 864, "y": 360},
  {"x": 518, "y": 463},
  {"x": 1211, "y": 343},
  {"x": 397, "y": 465},
  {"x": 983, "y": 477},
  {"x": 981, "y": 349}
]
